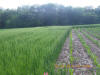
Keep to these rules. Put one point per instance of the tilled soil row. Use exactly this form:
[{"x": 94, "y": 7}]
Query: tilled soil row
[
  {"x": 94, "y": 48},
  {"x": 63, "y": 58},
  {"x": 81, "y": 57},
  {"x": 92, "y": 36}
]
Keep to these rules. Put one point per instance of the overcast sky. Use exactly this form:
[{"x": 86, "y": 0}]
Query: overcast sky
[{"x": 74, "y": 3}]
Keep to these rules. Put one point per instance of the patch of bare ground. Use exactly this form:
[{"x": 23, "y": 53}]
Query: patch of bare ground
[
  {"x": 63, "y": 58},
  {"x": 94, "y": 48},
  {"x": 81, "y": 57}
]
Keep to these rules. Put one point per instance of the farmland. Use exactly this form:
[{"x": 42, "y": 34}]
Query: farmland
[
  {"x": 30, "y": 51},
  {"x": 81, "y": 48},
  {"x": 33, "y": 51}
]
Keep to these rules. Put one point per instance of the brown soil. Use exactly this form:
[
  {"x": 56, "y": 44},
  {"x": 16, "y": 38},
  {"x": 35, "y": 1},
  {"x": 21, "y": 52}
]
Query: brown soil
[
  {"x": 63, "y": 58},
  {"x": 64, "y": 55},
  {"x": 94, "y": 48},
  {"x": 81, "y": 57},
  {"x": 79, "y": 54}
]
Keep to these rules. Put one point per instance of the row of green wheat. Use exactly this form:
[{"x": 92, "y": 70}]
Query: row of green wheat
[{"x": 30, "y": 51}]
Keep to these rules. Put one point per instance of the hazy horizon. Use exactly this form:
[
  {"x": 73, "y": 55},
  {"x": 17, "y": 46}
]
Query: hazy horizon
[{"x": 12, "y": 4}]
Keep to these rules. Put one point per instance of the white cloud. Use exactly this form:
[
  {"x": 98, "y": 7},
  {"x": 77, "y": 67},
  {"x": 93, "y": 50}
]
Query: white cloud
[{"x": 74, "y": 3}]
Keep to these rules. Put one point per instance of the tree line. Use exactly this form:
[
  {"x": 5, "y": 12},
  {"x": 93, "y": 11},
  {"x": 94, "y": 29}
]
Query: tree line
[{"x": 48, "y": 15}]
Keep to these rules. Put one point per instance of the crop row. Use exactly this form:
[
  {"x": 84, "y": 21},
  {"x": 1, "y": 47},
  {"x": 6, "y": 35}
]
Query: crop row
[
  {"x": 90, "y": 53},
  {"x": 31, "y": 51}
]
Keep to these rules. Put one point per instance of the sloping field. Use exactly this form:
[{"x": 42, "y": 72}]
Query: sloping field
[{"x": 30, "y": 51}]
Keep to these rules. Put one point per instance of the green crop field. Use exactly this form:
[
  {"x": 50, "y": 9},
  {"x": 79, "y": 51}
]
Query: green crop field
[
  {"x": 49, "y": 37},
  {"x": 93, "y": 31},
  {"x": 33, "y": 51},
  {"x": 30, "y": 51}
]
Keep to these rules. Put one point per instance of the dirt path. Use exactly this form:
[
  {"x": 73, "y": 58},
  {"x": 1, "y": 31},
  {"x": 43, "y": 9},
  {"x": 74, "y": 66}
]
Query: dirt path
[
  {"x": 81, "y": 57},
  {"x": 94, "y": 48},
  {"x": 63, "y": 58}
]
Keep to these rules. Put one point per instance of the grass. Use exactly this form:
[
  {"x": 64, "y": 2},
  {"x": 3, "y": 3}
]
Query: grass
[
  {"x": 71, "y": 55},
  {"x": 71, "y": 49},
  {"x": 31, "y": 51}
]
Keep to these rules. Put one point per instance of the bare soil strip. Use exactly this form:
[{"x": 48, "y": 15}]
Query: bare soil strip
[
  {"x": 94, "y": 48},
  {"x": 81, "y": 57},
  {"x": 63, "y": 58}
]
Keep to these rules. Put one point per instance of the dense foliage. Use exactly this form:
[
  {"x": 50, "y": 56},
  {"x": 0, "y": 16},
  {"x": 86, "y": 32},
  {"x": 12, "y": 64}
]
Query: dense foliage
[{"x": 48, "y": 14}]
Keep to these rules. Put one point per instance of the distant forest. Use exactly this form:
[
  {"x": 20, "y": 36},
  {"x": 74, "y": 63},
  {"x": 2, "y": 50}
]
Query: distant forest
[{"x": 48, "y": 15}]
